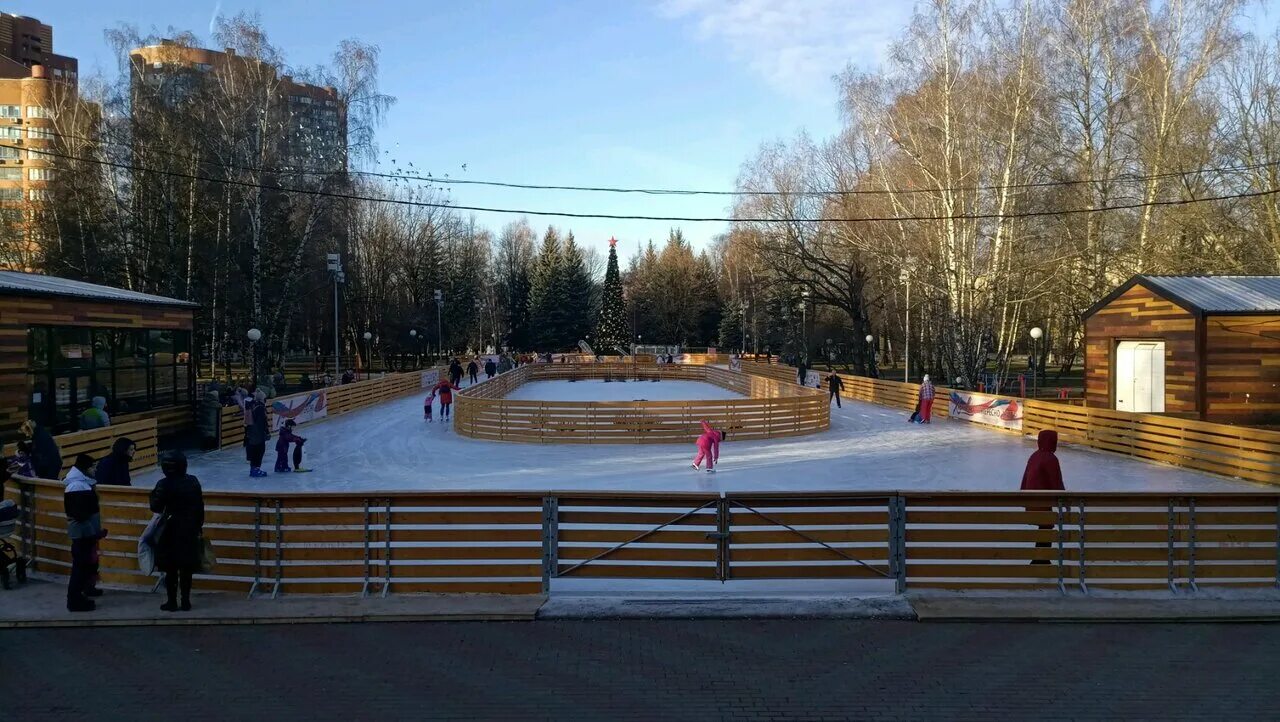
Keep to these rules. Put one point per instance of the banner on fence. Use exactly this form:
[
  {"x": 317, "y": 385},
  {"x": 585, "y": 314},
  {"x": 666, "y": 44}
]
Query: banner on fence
[
  {"x": 813, "y": 379},
  {"x": 735, "y": 363},
  {"x": 984, "y": 409},
  {"x": 301, "y": 409},
  {"x": 430, "y": 378}
]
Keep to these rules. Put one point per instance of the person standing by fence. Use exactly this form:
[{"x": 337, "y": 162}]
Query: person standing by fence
[
  {"x": 802, "y": 372},
  {"x": 46, "y": 457},
  {"x": 256, "y": 433},
  {"x": 84, "y": 526},
  {"x": 113, "y": 469},
  {"x": 1043, "y": 473},
  {"x": 927, "y": 393},
  {"x": 179, "y": 500}
]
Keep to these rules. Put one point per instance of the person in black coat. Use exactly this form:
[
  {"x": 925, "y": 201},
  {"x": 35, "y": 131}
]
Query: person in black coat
[
  {"x": 802, "y": 372},
  {"x": 256, "y": 433},
  {"x": 113, "y": 469},
  {"x": 473, "y": 370},
  {"x": 180, "y": 501},
  {"x": 836, "y": 385},
  {"x": 46, "y": 457},
  {"x": 490, "y": 368}
]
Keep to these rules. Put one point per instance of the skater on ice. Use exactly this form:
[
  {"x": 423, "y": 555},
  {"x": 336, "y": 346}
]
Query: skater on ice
[
  {"x": 490, "y": 368},
  {"x": 708, "y": 447},
  {"x": 473, "y": 371},
  {"x": 256, "y": 433},
  {"x": 444, "y": 390},
  {"x": 836, "y": 385},
  {"x": 926, "y": 400},
  {"x": 286, "y": 438}
]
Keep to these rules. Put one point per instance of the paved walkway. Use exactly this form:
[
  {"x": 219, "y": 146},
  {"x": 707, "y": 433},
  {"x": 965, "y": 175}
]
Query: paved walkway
[{"x": 645, "y": 670}]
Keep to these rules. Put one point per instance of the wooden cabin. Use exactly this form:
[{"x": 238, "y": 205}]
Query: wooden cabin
[
  {"x": 63, "y": 342},
  {"x": 1201, "y": 347}
]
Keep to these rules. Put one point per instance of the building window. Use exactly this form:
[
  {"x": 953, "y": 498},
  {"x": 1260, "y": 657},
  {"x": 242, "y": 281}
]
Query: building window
[
  {"x": 39, "y": 194},
  {"x": 10, "y": 194},
  {"x": 35, "y": 174},
  {"x": 10, "y": 174},
  {"x": 10, "y": 111},
  {"x": 37, "y": 111},
  {"x": 35, "y": 133},
  {"x": 204, "y": 67},
  {"x": 10, "y": 132},
  {"x": 134, "y": 369},
  {"x": 9, "y": 153}
]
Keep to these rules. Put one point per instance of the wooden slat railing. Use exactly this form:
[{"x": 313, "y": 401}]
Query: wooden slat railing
[
  {"x": 520, "y": 542},
  {"x": 97, "y": 443},
  {"x": 769, "y": 410}
]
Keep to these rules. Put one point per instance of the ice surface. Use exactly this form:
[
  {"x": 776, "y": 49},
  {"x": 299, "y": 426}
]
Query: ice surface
[
  {"x": 390, "y": 447},
  {"x": 620, "y": 391}
]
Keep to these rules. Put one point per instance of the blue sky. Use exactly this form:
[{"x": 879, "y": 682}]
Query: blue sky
[{"x": 641, "y": 93}]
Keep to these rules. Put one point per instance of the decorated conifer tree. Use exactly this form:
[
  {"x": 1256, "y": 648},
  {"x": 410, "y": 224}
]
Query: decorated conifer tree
[{"x": 613, "y": 330}]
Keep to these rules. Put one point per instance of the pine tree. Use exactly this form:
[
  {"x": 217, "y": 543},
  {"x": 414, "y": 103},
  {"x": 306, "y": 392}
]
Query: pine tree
[
  {"x": 612, "y": 330},
  {"x": 547, "y": 295},
  {"x": 731, "y": 329},
  {"x": 575, "y": 317}
]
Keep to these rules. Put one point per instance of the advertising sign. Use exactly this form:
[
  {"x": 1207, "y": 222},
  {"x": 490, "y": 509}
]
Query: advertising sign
[
  {"x": 302, "y": 408},
  {"x": 430, "y": 378},
  {"x": 735, "y": 363},
  {"x": 813, "y": 379},
  {"x": 984, "y": 409}
]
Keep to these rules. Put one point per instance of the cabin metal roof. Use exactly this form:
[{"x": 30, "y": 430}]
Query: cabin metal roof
[{"x": 16, "y": 283}]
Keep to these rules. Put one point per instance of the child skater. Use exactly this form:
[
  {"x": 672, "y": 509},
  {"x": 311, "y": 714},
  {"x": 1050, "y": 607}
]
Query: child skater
[
  {"x": 445, "y": 389},
  {"x": 282, "y": 449},
  {"x": 426, "y": 406},
  {"x": 708, "y": 447}
]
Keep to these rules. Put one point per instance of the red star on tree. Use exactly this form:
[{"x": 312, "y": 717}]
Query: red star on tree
[{"x": 612, "y": 242}]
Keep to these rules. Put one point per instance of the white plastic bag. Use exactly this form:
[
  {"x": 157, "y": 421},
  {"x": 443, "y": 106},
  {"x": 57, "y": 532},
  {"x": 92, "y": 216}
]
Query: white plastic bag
[{"x": 147, "y": 546}]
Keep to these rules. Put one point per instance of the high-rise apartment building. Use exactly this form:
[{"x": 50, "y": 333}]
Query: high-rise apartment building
[
  {"x": 312, "y": 120},
  {"x": 35, "y": 85}
]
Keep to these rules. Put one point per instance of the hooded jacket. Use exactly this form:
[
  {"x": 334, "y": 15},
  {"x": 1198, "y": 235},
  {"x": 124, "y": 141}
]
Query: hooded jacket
[
  {"x": 710, "y": 440},
  {"x": 46, "y": 457},
  {"x": 180, "y": 498},
  {"x": 257, "y": 431},
  {"x": 80, "y": 502},
  {"x": 95, "y": 417},
  {"x": 113, "y": 469},
  {"x": 1043, "y": 471}
]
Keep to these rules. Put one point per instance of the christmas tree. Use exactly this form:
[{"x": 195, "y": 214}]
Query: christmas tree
[{"x": 613, "y": 329}]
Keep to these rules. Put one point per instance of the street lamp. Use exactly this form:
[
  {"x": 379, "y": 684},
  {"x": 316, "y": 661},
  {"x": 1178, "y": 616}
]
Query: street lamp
[
  {"x": 439, "y": 333},
  {"x": 1036, "y": 336},
  {"x": 334, "y": 261},
  {"x": 413, "y": 334},
  {"x": 904, "y": 277},
  {"x": 804, "y": 323},
  {"x": 254, "y": 336},
  {"x": 742, "y": 340},
  {"x": 368, "y": 352}
]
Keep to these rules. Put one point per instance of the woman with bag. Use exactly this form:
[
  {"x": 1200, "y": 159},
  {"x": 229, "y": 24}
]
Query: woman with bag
[{"x": 179, "y": 546}]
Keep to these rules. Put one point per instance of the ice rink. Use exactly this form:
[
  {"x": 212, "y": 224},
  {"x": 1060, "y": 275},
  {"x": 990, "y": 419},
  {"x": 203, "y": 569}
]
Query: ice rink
[
  {"x": 620, "y": 391},
  {"x": 390, "y": 447}
]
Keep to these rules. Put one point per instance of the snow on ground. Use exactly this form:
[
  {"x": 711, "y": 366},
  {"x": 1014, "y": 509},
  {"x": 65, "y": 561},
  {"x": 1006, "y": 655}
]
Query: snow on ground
[
  {"x": 390, "y": 447},
  {"x": 620, "y": 391}
]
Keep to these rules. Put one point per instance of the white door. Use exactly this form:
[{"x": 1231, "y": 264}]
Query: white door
[{"x": 1139, "y": 371}]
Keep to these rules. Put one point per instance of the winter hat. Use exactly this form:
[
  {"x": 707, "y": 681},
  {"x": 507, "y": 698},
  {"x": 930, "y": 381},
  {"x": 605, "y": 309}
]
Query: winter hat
[
  {"x": 99, "y": 402},
  {"x": 173, "y": 463},
  {"x": 926, "y": 378},
  {"x": 260, "y": 396},
  {"x": 29, "y": 427}
]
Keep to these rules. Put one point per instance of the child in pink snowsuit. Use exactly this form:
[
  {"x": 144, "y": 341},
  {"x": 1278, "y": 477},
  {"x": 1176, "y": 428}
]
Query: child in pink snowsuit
[{"x": 708, "y": 447}]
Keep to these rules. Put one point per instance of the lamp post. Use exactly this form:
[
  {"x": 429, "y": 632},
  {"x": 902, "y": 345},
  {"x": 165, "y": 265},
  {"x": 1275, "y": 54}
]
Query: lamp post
[
  {"x": 904, "y": 277},
  {"x": 339, "y": 276},
  {"x": 742, "y": 340},
  {"x": 439, "y": 326},
  {"x": 804, "y": 323},
  {"x": 417, "y": 360},
  {"x": 254, "y": 336},
  {"x": 1036, "y": 333},
  {"x": 368, "y": 355}
]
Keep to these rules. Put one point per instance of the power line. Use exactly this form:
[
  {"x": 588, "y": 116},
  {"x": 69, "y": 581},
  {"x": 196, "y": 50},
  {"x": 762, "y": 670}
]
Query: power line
[
  {"x": 1123, "y": 178},
  {"x": 677, "y": 219}
]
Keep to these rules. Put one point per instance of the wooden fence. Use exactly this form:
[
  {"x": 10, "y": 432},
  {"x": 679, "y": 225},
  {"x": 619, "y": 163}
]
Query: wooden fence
[
  {"x": 340, "y": 399},
  {"x": 1235, "y": 451},
  {"x": 169, "y": 420},
  {"x": 769, "y": 410},
  {"x": 97, "y": 443},
  {"x": 521, "y": 542}
]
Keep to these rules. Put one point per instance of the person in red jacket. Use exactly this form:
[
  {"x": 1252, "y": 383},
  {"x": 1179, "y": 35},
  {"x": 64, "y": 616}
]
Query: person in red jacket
[
  {"x": 926, "y": 400},
  {"x": 445, "y": 390},
  {"x": 1043, "y": 473},
  {"x": 708, "y": 447}
]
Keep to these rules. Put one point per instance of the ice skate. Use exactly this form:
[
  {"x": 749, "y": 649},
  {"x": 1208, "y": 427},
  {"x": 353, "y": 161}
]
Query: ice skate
[{"x": 711, "y": 471}]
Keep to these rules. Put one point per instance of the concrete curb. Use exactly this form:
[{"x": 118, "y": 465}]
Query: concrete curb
[{"x": 603, "y": 607}]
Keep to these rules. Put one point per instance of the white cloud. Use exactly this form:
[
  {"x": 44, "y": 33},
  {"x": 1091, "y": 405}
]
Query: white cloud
[{"x": 796, "y": 45}]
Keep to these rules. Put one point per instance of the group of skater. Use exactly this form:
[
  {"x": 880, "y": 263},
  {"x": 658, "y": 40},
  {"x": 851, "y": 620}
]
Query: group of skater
[{"x": 257, "y": 432}]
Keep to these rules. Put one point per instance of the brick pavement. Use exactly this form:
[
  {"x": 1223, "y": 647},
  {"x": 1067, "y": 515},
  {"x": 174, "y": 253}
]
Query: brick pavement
[{"x": 645, "y": 670}]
